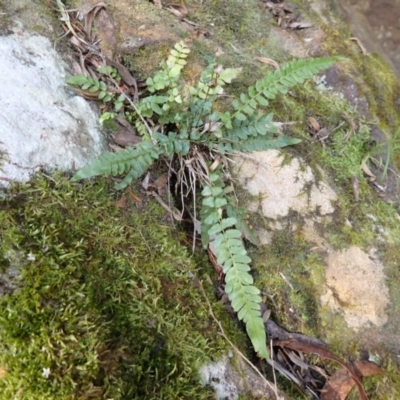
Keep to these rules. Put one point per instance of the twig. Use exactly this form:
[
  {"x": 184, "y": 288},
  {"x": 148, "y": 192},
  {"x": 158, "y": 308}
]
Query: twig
[{"x": 360, "y": 45}]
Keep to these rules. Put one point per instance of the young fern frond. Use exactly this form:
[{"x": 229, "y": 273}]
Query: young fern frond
[
  {"x": 136, "y": 160},
  {"x": 276, "y": 82},
  {"x": 170, "y": 71},
  {"x": 225, "y": 241}
]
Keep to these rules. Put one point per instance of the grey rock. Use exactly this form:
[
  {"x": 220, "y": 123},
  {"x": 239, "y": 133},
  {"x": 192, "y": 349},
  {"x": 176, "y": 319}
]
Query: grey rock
[{"x": 43, "y": 124}]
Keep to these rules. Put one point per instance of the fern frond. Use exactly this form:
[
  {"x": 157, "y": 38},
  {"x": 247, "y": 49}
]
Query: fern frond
[
  {"x": 172, "y": 144},
  {"x": 257, "y": 144},
  {"x": 251, "y": 127},
  {"x": 232, "y": 256},
  {"x": 276, "y": 82},
  {"x": 135, "y": 160},
  {"x": 170, "y": 70}
]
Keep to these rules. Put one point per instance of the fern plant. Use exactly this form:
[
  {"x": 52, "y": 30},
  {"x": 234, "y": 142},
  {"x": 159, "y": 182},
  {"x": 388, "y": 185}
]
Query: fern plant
[{"x": 192, "y": 127}]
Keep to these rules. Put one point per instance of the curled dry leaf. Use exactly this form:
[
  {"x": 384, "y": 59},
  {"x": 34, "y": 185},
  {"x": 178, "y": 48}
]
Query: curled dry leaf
[
  {"x": 90, "y": 16},
  {"x": 268, "y": 61},
  {"x": 341, "y": 382},
  {"x": 367, "y": 171},
  {"x": 324, "y": 353},
  {"x": 125, "y": 75}
]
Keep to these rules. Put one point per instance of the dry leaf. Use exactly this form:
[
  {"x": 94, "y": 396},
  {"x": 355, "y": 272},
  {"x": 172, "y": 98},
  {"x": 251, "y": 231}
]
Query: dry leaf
[
  {"x": 322, "y": 134},
  {"x": 341, "y": 382},
  {"x": 160, "y": 183},
  {"x": 314, "y": 124},
  {"x": 268, "y": 61},
  {"x": 90, "y": 16},
  {"x": 367, "y": 171},
  {"x": 125, "y": 137},
  {"x": 3, "y": 371},
  {"x": 124, "y": 73},
  {"x": 323, "y": 353},
  {"x": 121, "y": 203}
]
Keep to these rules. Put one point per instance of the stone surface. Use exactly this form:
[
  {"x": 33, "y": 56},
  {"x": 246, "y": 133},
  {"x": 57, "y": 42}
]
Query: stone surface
[
  {"x": 376, "y": 23},
  {"x": 355, "y": 285},
  {"x": 42, "y": 123},
  {"x": 355, "y": 282},
  {"x": 231, "y": 377},
  {"x": 281, "y": 186}
]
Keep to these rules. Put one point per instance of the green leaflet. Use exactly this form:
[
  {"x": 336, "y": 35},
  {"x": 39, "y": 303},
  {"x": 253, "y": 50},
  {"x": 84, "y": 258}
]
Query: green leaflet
[
  {"x": 135, "y": 160},
  {"x": 278, "y": 82}
]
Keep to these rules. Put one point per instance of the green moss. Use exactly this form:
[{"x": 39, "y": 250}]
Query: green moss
[
  {"x": 288, "y": 260},
  {"x": 101, "y": 297}
]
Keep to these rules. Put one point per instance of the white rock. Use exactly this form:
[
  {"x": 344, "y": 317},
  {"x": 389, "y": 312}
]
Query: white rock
[
  {"x": 42, "y": 123},
  {"x": 356, "y": 286},
  {"x": 281, "y": 186},
  {"x": 217, "y": 375}
]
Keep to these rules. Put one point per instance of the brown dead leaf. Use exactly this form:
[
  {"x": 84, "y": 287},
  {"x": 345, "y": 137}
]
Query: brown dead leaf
[
  {"x": 314, "y": 124},
  {"x": 341, "y": 382},
  {"x": 323, "y": 353},
  {"x": 269, "y": 61},
  {"x": 322, "y": 134},
  {"x": 160, "y": 183},
  {"x": 121, "y": 203},
  {"x": 90, "y": 16},
  {"x": 3, "y": 371},
  {"x": 125, "y": 75},
  {"x": 125, "y": 137}
]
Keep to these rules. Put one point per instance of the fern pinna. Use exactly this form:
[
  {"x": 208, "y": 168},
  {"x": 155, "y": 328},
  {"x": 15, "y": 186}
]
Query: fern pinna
[
  {"x": 225, "y": 241},
  {"x": 187, "y": 119}
]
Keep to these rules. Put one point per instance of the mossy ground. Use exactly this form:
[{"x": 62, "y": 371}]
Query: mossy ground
[{"x": 102, "y": 297}]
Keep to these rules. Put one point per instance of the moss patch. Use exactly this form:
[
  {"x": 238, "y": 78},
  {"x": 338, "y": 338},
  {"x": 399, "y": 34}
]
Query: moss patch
[{"x": 97, "y": 302}]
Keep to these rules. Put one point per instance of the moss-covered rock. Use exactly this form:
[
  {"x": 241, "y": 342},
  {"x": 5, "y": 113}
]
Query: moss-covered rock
[{"x": 97, "y": 302}]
